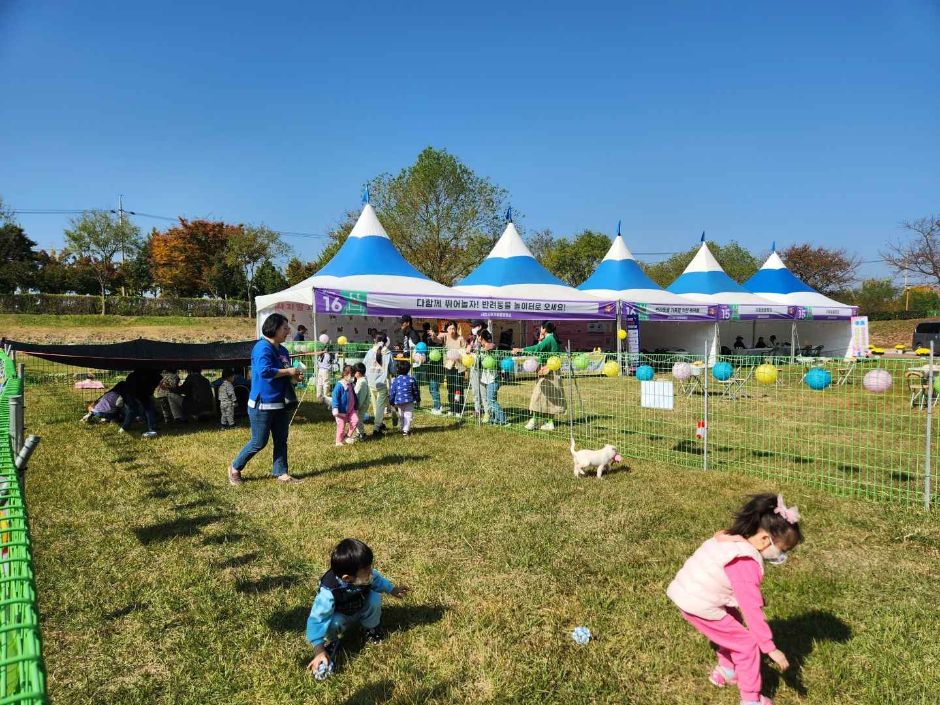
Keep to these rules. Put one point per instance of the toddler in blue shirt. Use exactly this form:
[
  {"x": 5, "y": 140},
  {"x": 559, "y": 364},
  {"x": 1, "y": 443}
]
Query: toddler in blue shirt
[{"x": 403, "y": 393}]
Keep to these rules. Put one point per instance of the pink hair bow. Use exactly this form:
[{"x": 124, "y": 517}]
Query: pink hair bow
[{"x": 791, "y": 514}]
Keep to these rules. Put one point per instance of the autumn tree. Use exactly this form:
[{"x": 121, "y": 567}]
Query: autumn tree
[
  {"x": 826, "y": 270},
  {"x": 921, "y": 254},
  {"x": 189, "y": 259},
  {"x": 737, "y": 261},
  {"x": 96, "y": 237},
  {"x": 296, "y": 271},
  {"x": 248, "y": 247}
]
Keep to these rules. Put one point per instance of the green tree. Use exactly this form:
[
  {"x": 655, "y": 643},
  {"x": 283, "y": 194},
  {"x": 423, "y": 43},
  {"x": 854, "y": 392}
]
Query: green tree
[
  {"x": 296, "y": 271},
  {"x": 269, "y": 279},
  {"x": 541, "y": 244},
  {"x": 96, "y": 237},
  {"x": 876, "y": 295},
  {"x": 6, "y": 214},
  {"x": 248, "y": 247},
  {"x": 573, "y": 261},
  {"x": 826, "y": 270},
  {"x": 737, "y": 261},
  {"x": 20, "y": 260}
]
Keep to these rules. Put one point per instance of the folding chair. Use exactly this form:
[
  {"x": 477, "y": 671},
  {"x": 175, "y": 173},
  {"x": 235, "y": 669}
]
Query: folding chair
[
  {"x": 918, "y": 388},
  {"x": 734, "y": 387},
  {"x": 845, "y": 372}
]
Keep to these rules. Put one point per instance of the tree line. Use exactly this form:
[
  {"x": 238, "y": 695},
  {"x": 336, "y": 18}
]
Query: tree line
[{"x": 441, "y": 215}]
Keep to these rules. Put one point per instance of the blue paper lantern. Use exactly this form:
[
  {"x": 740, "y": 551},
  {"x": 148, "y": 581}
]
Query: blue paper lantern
[
  {"x": 817, "y": 378},
  {"x": 722, "y": 371},
  {"x": 421, "y": 348},
  {"x": 507, "y": 364},
  {"x": 645, "y": 373}
]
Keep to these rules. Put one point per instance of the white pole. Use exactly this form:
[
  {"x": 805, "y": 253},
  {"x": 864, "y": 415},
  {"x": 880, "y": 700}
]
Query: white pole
[
  {"x": 619, "y": 342},
  {"x": 705, "y": 387},
  {"x": 929, "y": 431},
  {"x": 793, "y": 341}
]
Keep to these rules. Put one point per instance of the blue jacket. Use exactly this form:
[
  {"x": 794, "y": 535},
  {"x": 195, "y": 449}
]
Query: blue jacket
[
  {"x": 324, "y": 607},
  {"x": 341, "y": 397},
  {"x": 266, "y": 361},
  {"x": 404, "y": 390}
]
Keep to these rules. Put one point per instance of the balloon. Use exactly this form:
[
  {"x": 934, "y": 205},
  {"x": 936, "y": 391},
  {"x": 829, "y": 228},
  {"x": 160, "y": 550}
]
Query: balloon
[
  {"x": 420, "y": 347},
  {"x": 722, "y": 371},
  {"x": 342, "y": 340},
  {"x": 765, "y": 374},
  {"x": 435, "y": 355},
  {"x": 454, "y": 354},
  {"x": 581, "y": 362},
  {"x": 817, "y": 378},
  {"x": 877, "y": 381},
  {"x": 324, "y": 338},
  {"x": 611, "y": 368},
  {"x": 507, "y": 364},
  {"x": 622, "y": 334},
  {"x": 554, "y": 363},
  {"x": 468, "y": 360},
  {"x": 489, "y": 362},
  {"x": 645, "y": 373},
  {"x": 419, "y": 358},
  {"x": 530, "y": 364},
  {"x": 682, "y": 371}
]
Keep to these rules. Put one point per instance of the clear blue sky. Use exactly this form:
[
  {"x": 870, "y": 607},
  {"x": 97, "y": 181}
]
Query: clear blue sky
[{"x": 754, "y": 121}]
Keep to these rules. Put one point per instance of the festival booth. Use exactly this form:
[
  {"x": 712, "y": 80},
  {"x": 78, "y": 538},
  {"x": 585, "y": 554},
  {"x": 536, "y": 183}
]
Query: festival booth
[{"x": 819, "y": 323}]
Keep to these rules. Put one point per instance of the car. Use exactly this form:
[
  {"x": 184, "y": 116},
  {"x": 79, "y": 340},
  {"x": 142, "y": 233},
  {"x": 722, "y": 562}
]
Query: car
[{"x": 926, "y": 332}]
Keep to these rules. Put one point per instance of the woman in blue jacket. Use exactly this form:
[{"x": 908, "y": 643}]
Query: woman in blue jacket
[{"x": 272, "y": 379}]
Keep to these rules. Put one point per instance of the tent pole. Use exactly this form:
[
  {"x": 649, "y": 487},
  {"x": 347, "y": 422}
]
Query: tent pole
[
  {"x": 313, "y": 308},
  {"x": 619, "y": 343},
  {"x": 793, "y": 340}
]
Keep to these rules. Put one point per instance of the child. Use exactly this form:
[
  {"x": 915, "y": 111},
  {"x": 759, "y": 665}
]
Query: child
[
  {"x": 362, "y": 397},
  {"x": 227, "y": 399},
  {"x": 324, "y": 368},
  {"x": 403, "y": 394},
  {"x": 350, "y": 593},
  {"x": 722, "y": 580},
  {"x": 345, "y": 404},
  {"x": 107, "y": 407}
]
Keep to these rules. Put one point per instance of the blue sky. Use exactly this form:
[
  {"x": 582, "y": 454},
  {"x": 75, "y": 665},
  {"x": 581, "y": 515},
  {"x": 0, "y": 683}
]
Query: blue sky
[{"x": 756, "y": 122}]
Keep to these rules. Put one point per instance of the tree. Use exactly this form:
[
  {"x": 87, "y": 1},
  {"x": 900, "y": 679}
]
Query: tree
[
  {"x": 135, "y": 274},
  {"x": 189, "y": 259},
  {"x": 296, "y": 271},
  {"x": 738, "y": 263},
  {"x": 922, "y": 254},
  {"x": 248, "y": 247},
  {"x": 20, "y": 261},
  {"x": 442, "y": 216},
  {"x": 541, "y": 244},
  {"x": 826, "y": 270},
  {"x": 96, "y": 237},
  {"x": 876, "y": 295},
  {"x": 269, "y": 279},
  {"x": 6, "y": 214},
  {"x": 573, "y": 261}
]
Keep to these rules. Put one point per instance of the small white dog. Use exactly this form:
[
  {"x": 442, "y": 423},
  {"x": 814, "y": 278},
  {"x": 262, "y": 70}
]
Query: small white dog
[{"x": 601, "y": 459}]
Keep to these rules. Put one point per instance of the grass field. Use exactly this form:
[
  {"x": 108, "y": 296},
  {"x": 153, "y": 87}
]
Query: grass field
[
  {"x": 159, "y": 583},
  {"x": 97, "y": 329}
]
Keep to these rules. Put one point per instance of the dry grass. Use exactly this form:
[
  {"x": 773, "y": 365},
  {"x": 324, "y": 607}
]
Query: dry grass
[
  {"x": 110, "y": 329},
  {"x": 887, "y": 334}
]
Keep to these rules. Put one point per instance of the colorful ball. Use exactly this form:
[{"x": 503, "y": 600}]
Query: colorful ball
[
  {"x": 765, "y": 374},
  {"x": 342, "y": 340},
  {"x": 324, "y": 338},
  {"x": 682, "y": 371},
  {"x": 468, "y": 360},
  {"x": 722, "y": 371},
  {"x": 817, "y": 378},
  {"x": 530, "y": 364},
  {"x": 581, "y": 362},
  {"x": 611, "y": 368},
  {"x": 645, "y": 373},
  {"x": 419, "y": 358},
  {"x": 877, "y": 381},
  {"x": 507, "y": 364},
  {"x": 622, "y": 334},
  {"x": 554, "y": 363},
  {"x": 421, "y": 347},
  {"x": 489, "y": 363},
  {"x": 435, "y": 355}
]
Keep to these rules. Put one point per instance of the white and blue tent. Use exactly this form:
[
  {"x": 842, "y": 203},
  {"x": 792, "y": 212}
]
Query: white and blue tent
[{"x": 705, "y": 281}]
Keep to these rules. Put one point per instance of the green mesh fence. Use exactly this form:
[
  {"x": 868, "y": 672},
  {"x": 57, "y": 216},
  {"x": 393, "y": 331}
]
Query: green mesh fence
[{"x": 21, "y": 674}]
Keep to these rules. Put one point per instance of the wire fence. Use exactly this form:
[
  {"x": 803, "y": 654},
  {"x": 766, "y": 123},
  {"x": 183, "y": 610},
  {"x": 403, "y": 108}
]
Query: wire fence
[
  {"x": 22, "y": 679},
  {"x": 861, "y": 428}
]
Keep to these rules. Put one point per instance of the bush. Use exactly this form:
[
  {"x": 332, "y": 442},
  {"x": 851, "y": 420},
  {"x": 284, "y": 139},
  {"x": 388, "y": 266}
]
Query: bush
[
  {"x": 62, "y": 304},
  {"x": 899, "y": 315}
]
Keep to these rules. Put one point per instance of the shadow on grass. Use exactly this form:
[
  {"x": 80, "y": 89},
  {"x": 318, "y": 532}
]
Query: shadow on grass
[
  {"x": 798, "y": 459},
  {"x": 221, "y": 539},
  {"x": 384, "y": 691},
  {"x": 394, "y": 459},
  {"x": 395, "y": 618},
  {"x": 125, "y": 610},
  {"x": 266, "y": 584},
  {"x": 182, "y": 526},
  {"x": 691, "y": 447},
  {"x": 796, "y": 637},
  {"x": 237, "y": 561}
]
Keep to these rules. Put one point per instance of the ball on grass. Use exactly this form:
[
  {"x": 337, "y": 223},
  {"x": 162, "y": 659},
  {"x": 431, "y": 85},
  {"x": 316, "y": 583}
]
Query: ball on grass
[
  {"x": 722, "y": 371},
  {"x": 611, "y": 368},
  {"x": 682, "y": 371},
  {"x": 530, "y": 364},
  {"x": 765, "y": 374},
  {"x": 877, "y": 381},
  {"x": 817, "y": 378},
  {"x": 581, "y": 635},
  {"x": 554, "y": 363}
]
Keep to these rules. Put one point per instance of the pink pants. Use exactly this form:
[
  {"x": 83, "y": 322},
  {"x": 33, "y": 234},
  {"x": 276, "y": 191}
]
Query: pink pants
[
  {"x": 346, "y": 425},
  {"x": 736, "y": 647}
]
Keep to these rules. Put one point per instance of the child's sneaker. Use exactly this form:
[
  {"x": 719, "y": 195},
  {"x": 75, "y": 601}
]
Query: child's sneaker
[
  {"x": 720, "y": 678},
  {"x": 531, "y": 425},
  {"x": 148, "y": 434},
  {"x": 547, "y": 426},
  {"x": 376, "y": 635},
  {"x": 350, "y": 440},
  {"x": 86, "y": 417},
  {"x": 406, "y": 433},
  {"x": 437, "y": 411}
]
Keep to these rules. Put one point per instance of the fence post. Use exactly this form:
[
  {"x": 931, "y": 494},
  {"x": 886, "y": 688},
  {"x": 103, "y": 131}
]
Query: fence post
[
  {"x": 16, "y": 422},
  {"x": 705, "y": 395},
  {"x": 929, "y": 433}
]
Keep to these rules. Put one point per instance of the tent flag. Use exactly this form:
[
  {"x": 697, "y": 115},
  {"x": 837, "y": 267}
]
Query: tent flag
[{"x": 703, "y": 236}]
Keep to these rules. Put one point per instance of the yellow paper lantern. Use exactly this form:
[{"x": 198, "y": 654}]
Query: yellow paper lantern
[
  {"x": 554, "y": 363},
  {"x": 468, "y": 360},
  {"x": 611, "y": 368},
  {"x": 765, "y": 374},
  {"x": 622, "y": 334},
  {"x": 342, "y": 340}
]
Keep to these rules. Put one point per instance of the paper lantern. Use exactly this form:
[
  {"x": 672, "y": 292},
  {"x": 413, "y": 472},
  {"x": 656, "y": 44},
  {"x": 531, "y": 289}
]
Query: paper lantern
[
  {"x": 554, "y": 363},
  {"x": 419, "y": 358},
  {"x": 489, "y": 363},
  {"x": 530, "y": 364},
  {"x": 765, "y": 374},
  {"x": 324, "y": 338},
  {"x": 645, "y": 373},
  {"x": 622, "y": 334},
  {"x": 435, "y": 355},
  {"x": 682, "y": 371},
  {"x": 581, "y": 362},
  {"x": 817, "y": 378},
  {"x": 454, "y": 355},
  {"x": 877, "y": 381},
  {"x": 342, "y": 340},
  {"x": 611, "y": 368},
  {"x": 507, "y": 364},
  {"x": 722, "y": 371},
  {"x": 420, "y": 347},
  {"x": 468, "y": 360}
]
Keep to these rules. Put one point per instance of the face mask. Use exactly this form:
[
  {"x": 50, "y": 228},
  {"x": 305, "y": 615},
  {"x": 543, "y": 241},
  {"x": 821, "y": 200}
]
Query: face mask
[
  {"x": 774, "y": 555},
  {"x": 357, "y": 583}
]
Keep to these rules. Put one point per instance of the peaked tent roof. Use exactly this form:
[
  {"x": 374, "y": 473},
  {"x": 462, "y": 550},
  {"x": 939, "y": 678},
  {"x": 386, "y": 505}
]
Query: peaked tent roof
[
  {"x": 618, "y": 276},
  {"x": 368, "y": 261},
  {"x": 775, "y": 282},
  {"x": 510, "y": 270},
  {"x": 704, "y": 280}
]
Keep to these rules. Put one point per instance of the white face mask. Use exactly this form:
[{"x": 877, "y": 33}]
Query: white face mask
[{"x": 774, "y": 555}]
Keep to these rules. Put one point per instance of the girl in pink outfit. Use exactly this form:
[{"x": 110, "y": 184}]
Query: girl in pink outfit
[
  {"x": 345, "y": 406},
  {"x": 718, "y": 591}
]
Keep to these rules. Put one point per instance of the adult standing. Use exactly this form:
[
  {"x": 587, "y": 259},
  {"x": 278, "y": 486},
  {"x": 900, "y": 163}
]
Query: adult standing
[
  {"x": 378, "y": 362},
  {"x": 272, "y": 379},
  {"x": 453, "y": 369},
  {"x": 409, "y": 337},
  {"x": 548, "y": 397},
  {"x": 475, "y": 345},
  {"x": 301, "y": 334},
  {"x": 169, "y": 398},
  {"x": 140, "y": 385}
]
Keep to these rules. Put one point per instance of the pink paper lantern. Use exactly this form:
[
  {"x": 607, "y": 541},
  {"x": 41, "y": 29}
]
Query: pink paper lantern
[
  {"x": 454, "y": 354},
  {"x": 877, "y": 381},
  {"x": 682, "y": 371},
  {"x": 530, "y": 364},
  {"x": 324, "y": 338}
]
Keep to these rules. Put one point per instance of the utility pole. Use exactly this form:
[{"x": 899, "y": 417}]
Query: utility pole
[
  {"x": 123, "y": 235},
  {"x": 907, "y": 294}
]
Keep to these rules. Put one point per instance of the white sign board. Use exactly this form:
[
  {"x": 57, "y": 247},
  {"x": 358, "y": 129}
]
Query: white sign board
[
  {"x": 656, "y": 395},
  {"x": 859, "y": 345}
]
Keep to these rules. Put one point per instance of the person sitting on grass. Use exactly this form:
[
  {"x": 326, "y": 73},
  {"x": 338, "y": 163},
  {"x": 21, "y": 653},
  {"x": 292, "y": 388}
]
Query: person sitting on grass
[
  {"x": 721, "y": 582},
  {"x": 403, "y": 393},
  {"x": 108, "y": 407},
  {"x": 350, "y": 593},
  {"x": 345, "y": 405}
]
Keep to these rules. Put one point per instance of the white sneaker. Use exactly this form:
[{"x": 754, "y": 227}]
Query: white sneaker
[
  {"x": 148, "y": 434},
  {"x": 121, "y": 429},
  {"x": 86, "y": 417},
  {"x": 437, "y": 411},
  {"x": 350, "y": 441},
  {"x": 531, "y": 425},
  {"x": 547, "y": 426}
]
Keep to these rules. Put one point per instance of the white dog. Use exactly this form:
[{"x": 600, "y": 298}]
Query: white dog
[{"x": 601, "y": 459}]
